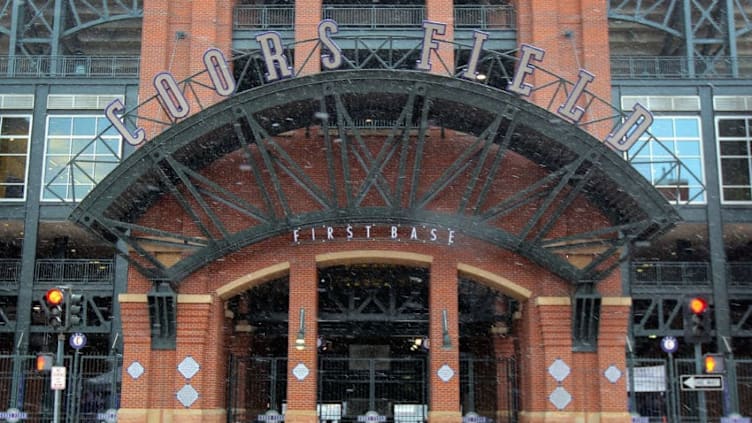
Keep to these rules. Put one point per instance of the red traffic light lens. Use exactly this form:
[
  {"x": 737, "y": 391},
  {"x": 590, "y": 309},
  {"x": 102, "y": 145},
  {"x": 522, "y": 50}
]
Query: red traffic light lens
[
  {"x": 698, "y": 305},
  {"x": 54, "y": 296}
]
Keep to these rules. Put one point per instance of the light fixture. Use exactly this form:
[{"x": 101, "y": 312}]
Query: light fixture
[
  {"x": 446, "y": 340},
  {"x": 300, "y": 340}
]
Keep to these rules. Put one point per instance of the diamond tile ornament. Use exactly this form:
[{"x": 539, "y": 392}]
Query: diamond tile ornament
[
  {"x": 559, "y": 370},
  {"x": 445, "y": 373},
  {"x": 300, "y": 371},
  {"x": 188, "y": 367},
  {"x": 560, "y": 398},
  {"x": 613, "y": 374},
  {"x": 135, "y": 370},
  {"x": 187, "y": 395}
]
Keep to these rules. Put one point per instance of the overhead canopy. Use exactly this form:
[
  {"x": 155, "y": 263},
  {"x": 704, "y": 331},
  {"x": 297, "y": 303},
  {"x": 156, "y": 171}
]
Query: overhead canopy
[{"x": 338, "y": 105}]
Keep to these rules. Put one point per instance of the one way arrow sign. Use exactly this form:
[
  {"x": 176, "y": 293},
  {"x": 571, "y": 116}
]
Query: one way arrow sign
[{"x": 701, "y": 382}]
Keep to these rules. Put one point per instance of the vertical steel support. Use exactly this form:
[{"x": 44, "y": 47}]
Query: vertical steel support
[
  {"x": 57, "y": 29},
  {"x": 689, "y": 37},
  {"x": 731, "y": 38},
  {"x": 718, "y": 272},
  {"x": 15, "y": 24},
  {"x": 29, "y": 249}
]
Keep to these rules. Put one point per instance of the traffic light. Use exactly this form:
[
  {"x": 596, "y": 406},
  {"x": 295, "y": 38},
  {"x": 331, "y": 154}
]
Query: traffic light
[
  {"x": 697, "y": 320},
  {"x": 44, "y": 362},
  {"x": 713, "y": 363},
  {"x": 55, "y": 298},
  {"x": 74, "y": 309}
]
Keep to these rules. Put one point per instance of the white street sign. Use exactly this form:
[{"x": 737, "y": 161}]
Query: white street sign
[
  {"x": 702, "y": 382},
  {"x": 57, "y": 381}
]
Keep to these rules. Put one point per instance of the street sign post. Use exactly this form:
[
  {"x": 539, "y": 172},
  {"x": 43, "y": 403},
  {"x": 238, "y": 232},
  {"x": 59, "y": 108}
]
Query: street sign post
[
  {"x": 57, "y": 381},
  {"x": 701, "y": 382}
]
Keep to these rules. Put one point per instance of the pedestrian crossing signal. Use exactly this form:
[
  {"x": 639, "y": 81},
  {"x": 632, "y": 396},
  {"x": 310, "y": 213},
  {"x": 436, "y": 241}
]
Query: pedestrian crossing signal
[
  {"x": 44, "y": 362},
  {"x": 714, "y": 363}
]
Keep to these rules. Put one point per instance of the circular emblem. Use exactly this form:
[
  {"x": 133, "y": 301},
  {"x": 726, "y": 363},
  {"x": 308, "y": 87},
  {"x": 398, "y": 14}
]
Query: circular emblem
[
  {"x": 669, "y": 344},
  {"x": 77, "y": 340}
]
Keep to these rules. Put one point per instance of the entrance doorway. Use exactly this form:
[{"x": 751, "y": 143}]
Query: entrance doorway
[
  {"x": 373, "y": 348},
  {"x": 373, "y": 343}
]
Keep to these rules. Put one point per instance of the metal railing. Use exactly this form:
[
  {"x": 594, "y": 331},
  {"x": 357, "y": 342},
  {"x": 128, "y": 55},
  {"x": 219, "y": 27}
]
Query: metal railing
[
  {"x": 654, "y": 275},
  {"x": 263, "y": 17},
  {"x": 670, "y": 67},
  {"x": 10, "y": 271},
  {"x": 69, "y": 66},
  {"x": 485, "y": 17},
  {"x": 391, "y": 16},
  {"x": 739, "y": 274},
  {"x": 76, "y": 271}
]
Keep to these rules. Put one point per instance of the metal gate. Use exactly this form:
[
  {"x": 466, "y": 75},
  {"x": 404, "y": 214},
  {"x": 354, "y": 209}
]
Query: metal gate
[
  {"x": 489, "y": 389},
  {"x": 656, "y": 394},
  {"x": 92, "y": 388},
  {"x": 257, "y": 386},
  {"x": 395, "y": 388}
]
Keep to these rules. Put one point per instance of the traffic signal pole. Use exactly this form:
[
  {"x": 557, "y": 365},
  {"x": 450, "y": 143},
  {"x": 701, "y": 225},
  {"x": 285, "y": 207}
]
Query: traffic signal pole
[{"x": 58, "y": 392}]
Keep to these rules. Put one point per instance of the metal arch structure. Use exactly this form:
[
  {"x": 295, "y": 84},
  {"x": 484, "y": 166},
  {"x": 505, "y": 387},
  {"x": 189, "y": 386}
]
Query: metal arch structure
[
  {"x": 34, "y": 24},
  {"x": 709, "y": 30},
  {"x": 170, "y": 165}
]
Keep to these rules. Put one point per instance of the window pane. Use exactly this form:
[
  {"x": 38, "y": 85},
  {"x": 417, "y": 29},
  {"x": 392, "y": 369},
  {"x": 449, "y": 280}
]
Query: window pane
[
  {"x": 84, "y": 126},
  {"x": 83, "y": 146},
  {"x": 688, "y": 148},
  {"x": 58, "y": 146},
  {"x": 687, "y": 128},
  {"x": 14, "y": 146},
  {"x": 662, "y": 128},
  {"x": 735, "y": 171},
  {"x": 15, "y": 126},
  {"x": 59, "y": 126},
  {"x": 731, "y": 128},
  {"x": 12, "y": 169},
  {"x": 734, "y": 148},
  {"x": 736, "y": 194}
]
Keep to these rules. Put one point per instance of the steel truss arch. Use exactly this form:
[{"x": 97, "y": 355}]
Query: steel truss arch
[{"x": 250, "y": 123}]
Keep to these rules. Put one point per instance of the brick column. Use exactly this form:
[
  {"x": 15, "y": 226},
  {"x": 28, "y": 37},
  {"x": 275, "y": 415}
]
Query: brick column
[
  {"x": 153, "y": 395},
  {"x": 442, "y": 11},
  {"x": 301, "y": 394},
  {"x": 175, "y": 35},
  {"x": 444, "y": 396},
  {"x": 574, "y": 36},
  {"x": 307, "y": 18},
  {"x": 547, "y": 337},
  {"x": 612, "y": 339}
]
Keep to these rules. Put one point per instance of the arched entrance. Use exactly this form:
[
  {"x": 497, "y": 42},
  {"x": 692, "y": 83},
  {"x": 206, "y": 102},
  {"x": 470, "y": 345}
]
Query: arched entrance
[
  {"x": 373, "y": 347},
  {"x": 466, "y": 181}
]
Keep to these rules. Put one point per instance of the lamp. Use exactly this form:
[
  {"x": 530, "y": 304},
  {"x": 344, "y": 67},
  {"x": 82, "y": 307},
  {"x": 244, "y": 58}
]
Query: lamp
[
  {"x": 446, "y": 341},
  {"x": 300, "y": 340}
]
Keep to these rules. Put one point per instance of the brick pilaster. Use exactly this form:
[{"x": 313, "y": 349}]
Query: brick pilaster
[
  {"x": 301, "y": 394},
  {"x": 444, "y": 395},
  {"x": 307, "y": 18}
]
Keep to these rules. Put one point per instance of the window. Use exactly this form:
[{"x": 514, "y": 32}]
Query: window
[
  {"x": 70, "y": 137},
  {"x": 673, "y": 162},
  {"x": 734, "y": 137},
  {"x": 14, "y": 156}
]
